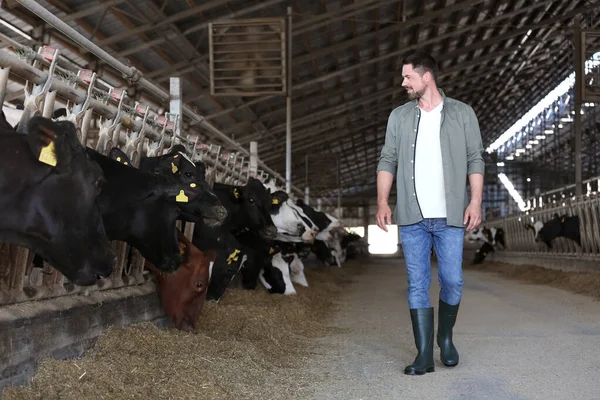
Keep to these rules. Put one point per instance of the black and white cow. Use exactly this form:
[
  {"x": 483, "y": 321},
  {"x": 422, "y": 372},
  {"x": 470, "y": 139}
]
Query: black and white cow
[
  {"x": 559, "y": 226},
  {"x": 483, "y": 251},
  {"x": 50, "y": 188}
]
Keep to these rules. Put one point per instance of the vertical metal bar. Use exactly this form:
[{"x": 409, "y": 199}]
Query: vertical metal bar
[
  {"x": 175, "y": 101},
  {"x": 579, "y": 62},
  {"x": 339, "y": 190},
  {"x": 253, "y": 165},
  {"x": 288, "y": 122},
  {"x": 306, "y": 189},
  {"x": 211, "y": 59}
]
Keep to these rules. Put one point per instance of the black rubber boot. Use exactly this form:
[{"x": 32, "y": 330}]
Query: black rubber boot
[
  {"x": 446, "y": 320},
  {"x": 422, "y": 324}
]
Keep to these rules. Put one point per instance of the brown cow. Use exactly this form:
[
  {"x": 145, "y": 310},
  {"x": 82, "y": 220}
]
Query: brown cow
[{"x": 183, "y": 292}]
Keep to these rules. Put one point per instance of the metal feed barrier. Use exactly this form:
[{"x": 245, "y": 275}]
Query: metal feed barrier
[
  {"x": 520, "y": 241},
  {"x": 134, "y": 128}
]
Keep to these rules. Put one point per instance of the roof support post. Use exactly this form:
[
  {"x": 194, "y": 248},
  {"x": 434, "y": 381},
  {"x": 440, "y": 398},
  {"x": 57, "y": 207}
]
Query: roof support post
[
  {"x": 579, "y": 62},
  {"x": 288, "y": 121}
]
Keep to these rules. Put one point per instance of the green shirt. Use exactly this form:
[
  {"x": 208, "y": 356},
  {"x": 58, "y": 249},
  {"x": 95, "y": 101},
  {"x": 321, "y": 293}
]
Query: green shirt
[{"x": 462, "y": 155}]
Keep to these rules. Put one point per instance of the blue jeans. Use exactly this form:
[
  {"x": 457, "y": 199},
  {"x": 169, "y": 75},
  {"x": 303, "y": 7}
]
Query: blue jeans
[{"x": 447, "y": 242}]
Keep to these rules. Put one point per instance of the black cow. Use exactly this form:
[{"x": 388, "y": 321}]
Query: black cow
[
  {"x": 483, "y": 251},
  {"x": 558, "y": 226},
  {"x": 248, "y": 213},
  {"x": 49, "y": 189},
  {"x": 248, "y": 208},
  {"x": 138, "y": 208},
  {"x": 204, "y": 208}
]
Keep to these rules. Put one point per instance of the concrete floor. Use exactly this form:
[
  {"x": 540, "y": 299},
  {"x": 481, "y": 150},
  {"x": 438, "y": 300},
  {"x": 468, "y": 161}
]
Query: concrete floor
[{"x": 516, "y": 341}]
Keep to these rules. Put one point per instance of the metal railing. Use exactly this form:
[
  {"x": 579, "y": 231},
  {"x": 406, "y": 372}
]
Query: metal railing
[
  {"x": 521, "y": 240},
  {"x": 136, "y": 130}
]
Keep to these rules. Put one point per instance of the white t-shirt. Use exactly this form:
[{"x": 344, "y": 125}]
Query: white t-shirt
[{"x": 429, "y": 172}]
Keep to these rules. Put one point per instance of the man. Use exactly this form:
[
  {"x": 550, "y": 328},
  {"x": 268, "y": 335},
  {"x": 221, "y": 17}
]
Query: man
[{"x": 432, "y": 144}]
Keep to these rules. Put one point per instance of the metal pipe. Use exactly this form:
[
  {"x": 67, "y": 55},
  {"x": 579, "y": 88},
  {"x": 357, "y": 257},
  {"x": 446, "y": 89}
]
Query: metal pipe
[
  {"x": 288, "y": 118},
  {"x": 579, "y": 62},
  {"x": 136, "y": 76},
  {"x": 128, "y": 72}
]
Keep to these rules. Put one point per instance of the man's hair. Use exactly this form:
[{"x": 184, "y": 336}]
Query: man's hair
[{"x": 422, "y": 62}]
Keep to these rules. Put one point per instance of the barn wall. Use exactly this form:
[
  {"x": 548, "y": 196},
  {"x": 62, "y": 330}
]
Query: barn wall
[{"x": 65, "y": 327}]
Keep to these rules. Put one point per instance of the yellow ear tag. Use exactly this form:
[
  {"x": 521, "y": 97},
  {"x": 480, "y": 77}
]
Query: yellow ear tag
[
  {"x": 119, "y": 159},
  {"x": 233, "y": 256},
  {"x": 48, "y": 155},
  {"x": 176, "y": 155},
  {"x": 125, "y": 163},
  {"x": 271, "y": 250},
  {"x": 181, "y": 197},
  {"x": 173, "y": 168},
  {"x": 192, "y": 185},
  {"x": 182, "y": 248},
  {"x": 236, "y": 193},
  {"x": 275, "y": 201}
]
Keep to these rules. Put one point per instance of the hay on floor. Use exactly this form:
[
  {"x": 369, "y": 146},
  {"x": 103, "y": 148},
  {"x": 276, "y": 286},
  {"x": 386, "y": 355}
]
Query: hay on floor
[
  {"x": 250, "y": 345},
  {"x": 586, "y": 283}
]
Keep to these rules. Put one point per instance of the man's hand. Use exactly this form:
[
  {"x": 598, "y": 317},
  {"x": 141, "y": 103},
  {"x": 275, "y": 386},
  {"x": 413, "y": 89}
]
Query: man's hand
[
  {"x": 473, "y": 216},
  {"x": 384, "y": 216}
]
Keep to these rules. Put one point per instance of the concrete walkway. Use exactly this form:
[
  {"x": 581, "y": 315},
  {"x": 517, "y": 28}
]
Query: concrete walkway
[{"x": 516, "y": 341}]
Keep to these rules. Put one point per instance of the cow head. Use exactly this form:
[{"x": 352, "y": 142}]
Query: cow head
[
  {"x": 183, "y": 292},
  {"x": 141, "y": 209},
  {"x": 248, "y": 207},
  {"x": 291, "y": 222},
  {"x": 50, "y": 187},
  {"x": 206, "y": 207},
  {"x": 276, "y": 277}
]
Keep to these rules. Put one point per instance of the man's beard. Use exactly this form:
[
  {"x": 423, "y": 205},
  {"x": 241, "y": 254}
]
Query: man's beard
[{"x": 416, "y": 94}]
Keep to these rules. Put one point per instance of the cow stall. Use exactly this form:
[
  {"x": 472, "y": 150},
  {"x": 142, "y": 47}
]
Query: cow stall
[{"x": 42, "y": 313}]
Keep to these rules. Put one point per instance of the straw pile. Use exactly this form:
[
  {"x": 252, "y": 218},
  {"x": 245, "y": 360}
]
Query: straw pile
[
  {"x": 251, "y": 345},
  {"x": 586, "y": 283}
]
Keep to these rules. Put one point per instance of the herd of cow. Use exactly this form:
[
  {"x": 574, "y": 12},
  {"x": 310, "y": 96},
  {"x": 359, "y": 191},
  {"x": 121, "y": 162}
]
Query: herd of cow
[
  {"x": 65, "y": 202},
  {"x": 545, "y": 232}
]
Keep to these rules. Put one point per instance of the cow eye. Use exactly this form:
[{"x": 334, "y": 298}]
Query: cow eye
[
  {"x": 99, "y": 184},
  {"x": 251, "y": 200},
  {"x": 188, "y": 174}
]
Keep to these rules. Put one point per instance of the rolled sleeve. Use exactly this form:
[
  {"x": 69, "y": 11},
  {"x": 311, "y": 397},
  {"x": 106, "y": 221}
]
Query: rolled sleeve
[
  {"x": 388, "y": 160},
  {"x": 475, "y": 163}
]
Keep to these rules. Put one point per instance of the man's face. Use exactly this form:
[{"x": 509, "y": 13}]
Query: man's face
[{"x": 414, "y": 84}]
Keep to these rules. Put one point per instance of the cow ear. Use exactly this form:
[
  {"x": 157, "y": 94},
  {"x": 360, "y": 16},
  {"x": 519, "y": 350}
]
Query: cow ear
[
  {"x": 278, "y": 198},
  {"x": 120, "y": 156},
  {"x": 48, "y": 140}
]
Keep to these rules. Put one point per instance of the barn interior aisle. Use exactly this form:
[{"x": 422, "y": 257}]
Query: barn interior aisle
[{"x": 516, "y": 341}]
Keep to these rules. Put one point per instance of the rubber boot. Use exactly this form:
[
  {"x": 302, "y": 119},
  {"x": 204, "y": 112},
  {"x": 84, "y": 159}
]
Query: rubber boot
[
  {"x": 422, "y": 324},
  {"x": 446, "y": 320}
]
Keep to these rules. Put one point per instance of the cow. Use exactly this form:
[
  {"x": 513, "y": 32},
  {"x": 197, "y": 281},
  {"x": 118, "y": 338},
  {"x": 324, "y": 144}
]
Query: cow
[
  {"x": 206, "y": 207},
  {"x": 293, "y": 225},
  {"x": 284, "y": 269},
  {"x": 476, "y": 235},
  {"x": 141, "y": 209},
  {"x": 494, "y": 236},
  {"x": 50, "y": 188},
  {"x": 183, "y": 292},
  {"x": 248, "y": 208},
  {"x": 558, "y": 226},
  {"x": 483, "y": 251},
  {"x": 248, "y": 219}
]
